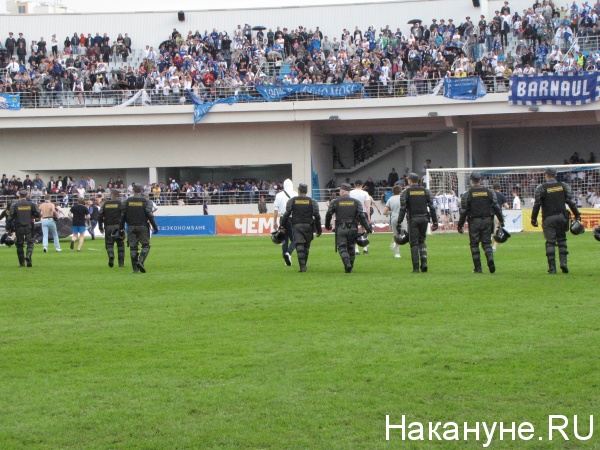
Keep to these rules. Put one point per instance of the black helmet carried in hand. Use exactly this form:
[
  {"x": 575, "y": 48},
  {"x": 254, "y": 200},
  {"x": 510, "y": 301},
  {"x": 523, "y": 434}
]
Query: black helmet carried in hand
[
  {"x": 577, "y": 227},
  {"x": 597, "y": 233},
  {"x": 9, "y": 240},
  {"x": 501, "y": 235},
  {"x": 118, "y": 235},
  {"x": 278, "y": 236},
  {"x": 401, "y": 238},
  {"x": 362, "y": 240}
]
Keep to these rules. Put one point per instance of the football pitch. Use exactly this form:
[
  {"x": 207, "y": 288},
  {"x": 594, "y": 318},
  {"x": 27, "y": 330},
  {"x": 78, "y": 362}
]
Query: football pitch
[{"x": 220, "y": 345}]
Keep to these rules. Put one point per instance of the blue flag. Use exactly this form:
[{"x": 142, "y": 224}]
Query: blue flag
[
  {"x": 10, "y": 101},
  {"x": 469, "y": 88},
  {"x": 201, "y": 108}
]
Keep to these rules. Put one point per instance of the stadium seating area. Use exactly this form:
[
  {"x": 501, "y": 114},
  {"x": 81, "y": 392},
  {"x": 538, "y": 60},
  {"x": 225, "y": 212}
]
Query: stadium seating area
[{"x": 394, "y": 61}]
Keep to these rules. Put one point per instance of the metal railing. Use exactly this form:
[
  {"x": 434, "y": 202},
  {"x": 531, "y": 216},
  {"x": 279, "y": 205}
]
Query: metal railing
[
  {"x": 238, "y": 197},
  {"x": 213, "y": 197},
  {"x": 583, "y": 45},
  {"x": 109, "y": 98}
]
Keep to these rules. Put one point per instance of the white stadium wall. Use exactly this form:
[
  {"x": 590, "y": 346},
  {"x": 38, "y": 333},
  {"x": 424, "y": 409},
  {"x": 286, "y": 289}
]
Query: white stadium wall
[
  {"x": 83, "y": 151},
  {"x": 151, "y": 28}
]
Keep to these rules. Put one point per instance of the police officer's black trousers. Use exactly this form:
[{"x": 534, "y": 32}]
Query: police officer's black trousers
[
  {"x": 345, "y": 238},
  {"x": 303, "y": 236},
  {"x": 24, "y": 234},
  {"x": 480, "y": 231},
  {"x": 417, "y": 233},
  {"x": 109, "y": 243},
  {"x": 555, "y": 233},
  {"x": 139, "y": 235}
]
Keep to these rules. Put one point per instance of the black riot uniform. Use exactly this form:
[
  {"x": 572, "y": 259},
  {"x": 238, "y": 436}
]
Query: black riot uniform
[
  {"x": 348, "y": 213},
  {"x": 137, "y": 213},
  {"x": 305, "y": 218},
  {"x": 109, "y": 219},
  {"x": 478, "y": 205},
  {"x": 417, "y": 201},
  {"x": 23, "y": 213},
  {"x": 551, "y": 197}
]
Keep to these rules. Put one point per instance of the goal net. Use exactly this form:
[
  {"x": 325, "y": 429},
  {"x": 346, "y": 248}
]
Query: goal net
[{"x": 518, "y": 185}]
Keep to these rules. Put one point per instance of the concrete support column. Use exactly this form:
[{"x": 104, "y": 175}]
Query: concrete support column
[
  {"x": 152, "y": 175},
  {"x": 463, "y": 147},
  {"x": 408, "y": 162},
  {"x": 463, "y": 153},
  {"x": 301, "y": 165}
]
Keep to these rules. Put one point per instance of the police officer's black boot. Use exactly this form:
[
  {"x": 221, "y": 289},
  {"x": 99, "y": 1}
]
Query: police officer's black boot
[
  {"x": 121, "y": 255},
  {"x": 302, "y": 257},
  {"x": 28, "y": 258},
  {"x": 302, "y": 262},
  {"x": 550, "y": 254},
  {"x": 142, "y": 258},
  {"x": 423, "y": 252},
  {"x": 140, "y": 265},
  {"x": 476, "y": 260},
  {"x": 21, "y": 256},
  {"x": 490, "y": 261},
  {"x": 347, "y": 265},
  {"x": 563, "y": 261},
  {"x": 414, "y": 254},
  {"x": 134, "y": 261},
  {"x": 111, "y": 258},
  {"x": 562, "y": 254}
]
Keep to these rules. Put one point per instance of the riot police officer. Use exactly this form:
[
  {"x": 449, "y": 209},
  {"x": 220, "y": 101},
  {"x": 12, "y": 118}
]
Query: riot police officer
[
  {"x": 305, "y": 217},
  {"x": 418, "y": 202},
  {"x": 551, "y": 197},
  {"x": 23, "y": 213},
  {"x": 137, "y": 213},
  {"x": 479, "y": 205},
  {"x": 348, "y": 213},
  {"x": 109, "y": 219}
]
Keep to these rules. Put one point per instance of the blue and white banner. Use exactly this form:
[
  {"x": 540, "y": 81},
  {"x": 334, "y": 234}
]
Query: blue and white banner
[
  {"x": 186, "y": 225},
  {"x": 469, "y": 88},
  {"x": 201, "y": 108},
  {"x": 10, "y": 101},
  {"x": 568, "y": 89},
  {"x": 273, "y": 93}
]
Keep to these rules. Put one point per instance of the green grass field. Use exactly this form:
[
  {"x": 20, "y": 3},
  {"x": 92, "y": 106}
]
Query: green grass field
[{"x": 220, "y": 345}]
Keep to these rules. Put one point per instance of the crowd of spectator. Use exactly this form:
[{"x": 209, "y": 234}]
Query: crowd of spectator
[
  {"x": 64, "y": 190},
  {"x": 218, "y": 63},
  {"x": 68, "y": 189},
  {"x": 44, "y": 71},
  {"x": 225, "y": 192}
]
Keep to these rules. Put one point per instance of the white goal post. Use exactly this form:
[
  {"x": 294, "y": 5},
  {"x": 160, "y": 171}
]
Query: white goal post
[{"x": 516, "y": 183}]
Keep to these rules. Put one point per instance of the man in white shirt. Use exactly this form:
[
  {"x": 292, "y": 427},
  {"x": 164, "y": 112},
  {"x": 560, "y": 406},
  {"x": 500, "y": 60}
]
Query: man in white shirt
[
  {"x": 281, "y": 199},
  {"x": 365, "y": 199},
  {"x": 516, "y": 200},
  {"x": 392, "y": 208}
]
